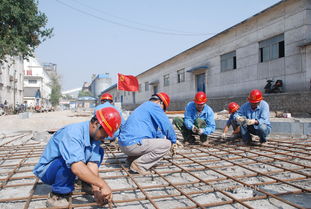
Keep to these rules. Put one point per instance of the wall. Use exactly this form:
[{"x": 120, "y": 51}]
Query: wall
[{"x": 291, "y": 18}]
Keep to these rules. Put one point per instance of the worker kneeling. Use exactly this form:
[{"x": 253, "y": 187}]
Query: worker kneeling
[
  {"x": 148, "y": 134},
  {"x": 74, "y": 151},
  {"x": 198, "y": 120},
  {"x": 254, "y": 117}
]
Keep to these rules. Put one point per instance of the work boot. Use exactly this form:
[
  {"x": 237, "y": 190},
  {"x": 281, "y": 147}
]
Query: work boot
[
  {"x": 57, "y": 200},
  {"x": 137, "y": 170}
]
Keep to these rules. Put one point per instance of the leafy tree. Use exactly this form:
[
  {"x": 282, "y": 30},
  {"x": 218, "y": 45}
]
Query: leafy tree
[
  {"x": 85, "y": 94},
  {"x": 56, "y": 91},
  {"x": 22, "y": 28}
]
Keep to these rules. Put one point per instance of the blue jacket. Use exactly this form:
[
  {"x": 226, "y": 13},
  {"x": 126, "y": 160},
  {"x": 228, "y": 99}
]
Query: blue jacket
[
  {"x": 108, "y": 104},
  {"x": 207, "y": 114},
  {"x": 231, "y": 120},
  {"x": 146, "y": 121},
  {"x": 261, "y": 113},
  {"x": 73, "y": 144}
]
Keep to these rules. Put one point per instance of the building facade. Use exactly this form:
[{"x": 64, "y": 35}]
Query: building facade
[
  {"x": 37, "y": 84},
  {"x": 11, "y": 81},
  {"x": 99, "y": 83},
  {"x": 274, "y": 44}
]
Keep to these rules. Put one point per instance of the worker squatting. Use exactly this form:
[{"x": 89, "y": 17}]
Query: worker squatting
[{"x": 74, "y": 152}]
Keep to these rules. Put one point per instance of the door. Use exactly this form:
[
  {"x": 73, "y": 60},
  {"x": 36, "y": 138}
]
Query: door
[
  {"x": 155, "y": 89},
  {"x": 200, "y": 82},
  {"x": 134, "y": 101}
]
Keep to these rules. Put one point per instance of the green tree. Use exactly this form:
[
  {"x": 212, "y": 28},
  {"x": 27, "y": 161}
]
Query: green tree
[
  {"x": 22, "y": 28},
  {"x": 85, "y": 94},
  {"x": 56, "y": 91}
]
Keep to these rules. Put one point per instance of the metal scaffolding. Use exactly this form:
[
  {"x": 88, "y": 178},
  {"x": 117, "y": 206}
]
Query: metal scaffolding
[{"x": 222, "y": 175}]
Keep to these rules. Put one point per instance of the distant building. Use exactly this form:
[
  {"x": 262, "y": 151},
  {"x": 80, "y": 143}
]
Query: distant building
[
  {"x": 99, "y": 83},
  {"x": 37, "y": 84},
  {"x": 11, "y": 81},
  {"x": 73, "y": 93}
]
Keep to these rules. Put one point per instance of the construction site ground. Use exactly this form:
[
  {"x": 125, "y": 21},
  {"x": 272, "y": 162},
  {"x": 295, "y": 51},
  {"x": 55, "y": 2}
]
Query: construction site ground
[{"x": 222, "y": 174}]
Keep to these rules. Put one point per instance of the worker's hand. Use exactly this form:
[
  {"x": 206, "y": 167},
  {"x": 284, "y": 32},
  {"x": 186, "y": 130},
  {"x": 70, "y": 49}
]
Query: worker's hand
[
  {"x": 195, "y": 130},
  {"x": 103, "y": 196},
  {"x": 223, "y": 136},
  {"x": 174, "y": 148},
  {"x": 179, "y": 144},
  {"x": 240, "y": 119},
  {"x": 250, "y": 122},
  {"x": 201, "y": 131}
]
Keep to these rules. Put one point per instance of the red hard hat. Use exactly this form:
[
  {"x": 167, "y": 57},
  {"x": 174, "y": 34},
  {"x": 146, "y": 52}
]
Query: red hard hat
[
  {"x": 233, "y": 107},
  {"x": 255, "y": 96},
  {"x": 109, "y": 118},
  {"x": 200, "y": 98},
  {"x": 106, "y": 96},
  {"x": 164, "y": 98}
]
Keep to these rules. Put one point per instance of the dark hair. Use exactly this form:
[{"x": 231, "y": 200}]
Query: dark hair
[
  {"x": 94, "y": 119},
  {"x": 155, "y": 97}
]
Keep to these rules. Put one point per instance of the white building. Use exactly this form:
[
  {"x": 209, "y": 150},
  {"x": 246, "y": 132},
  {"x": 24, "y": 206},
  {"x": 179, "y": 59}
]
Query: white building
[
  {"x": 37, "y": 84},
  {"x": 11, "y": 81},
  {"x": 273, "y": 44}
]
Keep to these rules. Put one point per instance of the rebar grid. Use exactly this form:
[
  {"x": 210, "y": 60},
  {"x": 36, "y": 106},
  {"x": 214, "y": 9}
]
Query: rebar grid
[{"x": 215, "y": 175}]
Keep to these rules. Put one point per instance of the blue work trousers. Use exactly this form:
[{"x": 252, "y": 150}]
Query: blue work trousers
[
  {"x": 262, "y": 131},
  {"x": 61, "y": 177}
]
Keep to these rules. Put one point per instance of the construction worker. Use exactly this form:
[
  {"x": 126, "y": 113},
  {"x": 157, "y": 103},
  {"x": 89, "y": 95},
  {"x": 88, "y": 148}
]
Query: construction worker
[
  {"x": 148, "y": 134},
  {"x": 74, "y": 151},
  {"x": 106, "y": 97},
  {"x": 107, "y": 101},
  {"x": 232, "y": 108},
  {"x": 254, "y": 117},
  {"x": 198, "y": 119}
]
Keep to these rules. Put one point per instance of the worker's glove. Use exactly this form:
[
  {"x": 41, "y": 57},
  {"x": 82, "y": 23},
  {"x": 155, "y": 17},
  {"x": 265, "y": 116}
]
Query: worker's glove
[
  {"x": 240, "y": 119},
  {"x": 250, "y": 122},
  {"x": 223, "y": 136},
  {"x": 195, "y": 129},
  {"x": 201, "y": 131},
  {"x": 179, "y": 144},
  {"x": 175, "y": 147}
]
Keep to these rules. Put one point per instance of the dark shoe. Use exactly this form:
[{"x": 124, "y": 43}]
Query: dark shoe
[
  {"x": 57, "y": 200},
  {"x": 137, "y": 170}
]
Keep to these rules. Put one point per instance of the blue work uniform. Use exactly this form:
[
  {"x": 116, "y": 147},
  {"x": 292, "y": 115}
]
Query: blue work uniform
[
  {"x": 232, "y": 122},
  {"x": 68, "y": 145},
  {"x": 262, "y": 115},
  {"x": 146, "y": 122},
  {"x": 108, "y": 104},
  {"x": 207, "y": 115}
]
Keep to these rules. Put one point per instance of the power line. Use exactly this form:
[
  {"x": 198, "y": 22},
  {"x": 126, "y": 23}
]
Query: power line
[
  {"x": 138, "y": 23},
  {"x": 126, "y": 25}
]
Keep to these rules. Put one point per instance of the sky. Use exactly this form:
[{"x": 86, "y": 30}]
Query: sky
[{"x": 131, "y": 36}]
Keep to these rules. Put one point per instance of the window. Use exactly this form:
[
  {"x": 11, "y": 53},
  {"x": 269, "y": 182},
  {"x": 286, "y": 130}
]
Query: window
[
  {"x": 32, "y": 81},
  {"x": 146, "y": 86},
  {"x": 228, "y": 61},
  {"x": 272, "y": 48},
  {"x": 166, "y": 79},
  {"x": 180, "y": 75}
]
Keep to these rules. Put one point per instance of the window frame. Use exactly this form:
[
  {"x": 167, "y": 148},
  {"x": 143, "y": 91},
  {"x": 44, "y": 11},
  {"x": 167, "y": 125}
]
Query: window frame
[
  {"x": 166, "y": 80},
  {"x": 272, "y": 48},
  {"x": 228, "y": 61},
  {"x": 181, "y": 75}
]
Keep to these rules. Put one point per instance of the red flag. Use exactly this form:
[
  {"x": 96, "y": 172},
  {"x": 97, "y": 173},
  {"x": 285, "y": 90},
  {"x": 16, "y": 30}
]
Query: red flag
[{"x": 127, "y": 83}]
